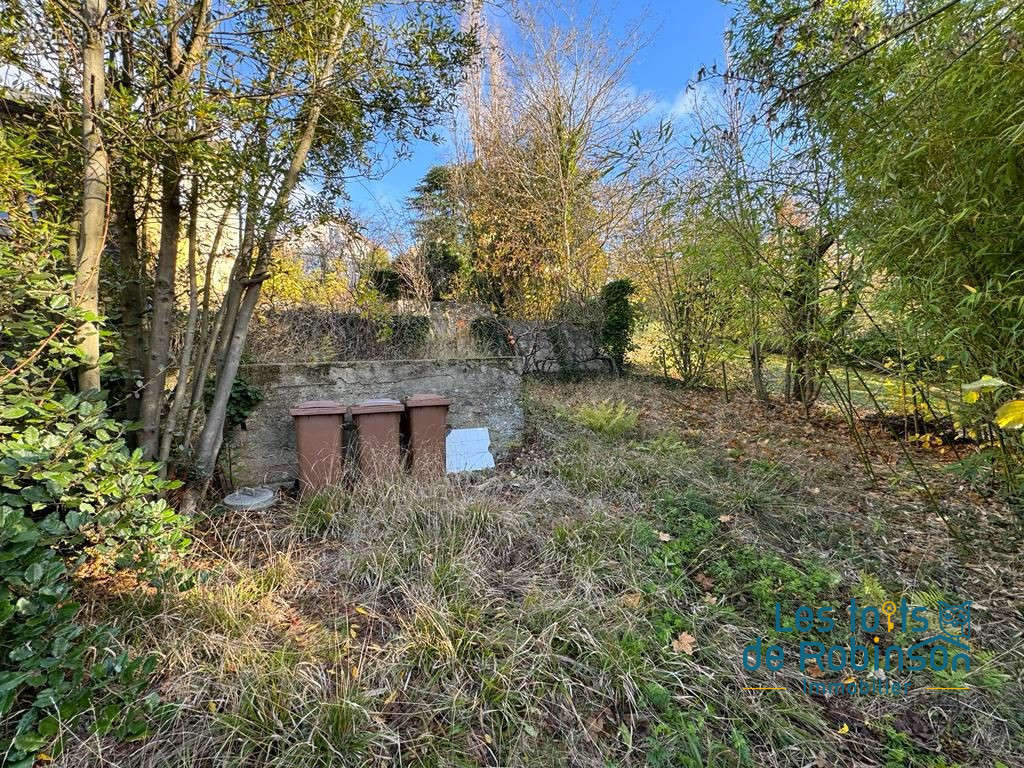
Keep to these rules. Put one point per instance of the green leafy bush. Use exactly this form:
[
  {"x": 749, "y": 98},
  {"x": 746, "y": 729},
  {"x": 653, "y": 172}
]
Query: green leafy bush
[
  {"x": 619, "y": 321},
  {"x": 71, "y": 494},
  {"x": 243, "y": 399},
  {"x": 607, "y": 418},
  {"x": 443, "y": 265}
]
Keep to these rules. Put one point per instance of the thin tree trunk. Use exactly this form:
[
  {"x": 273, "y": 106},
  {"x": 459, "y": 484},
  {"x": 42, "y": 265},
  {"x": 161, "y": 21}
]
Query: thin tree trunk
[
  {"x": 209, "y": 331},
  {"x": 199, "y": 379},
  {"x": 132, "y": 299},
  {"x": 213, "y": 430},
  {"x": 180, "y": 64},
  {"x": 124, "y": 198},
  {"x": 95, "y": 190},
  {"x": 185, "y": 362},
  {"x": 239, "y": 271},
  {"x": 757, "y": 357},
  {"x": 158, "y": 359}
]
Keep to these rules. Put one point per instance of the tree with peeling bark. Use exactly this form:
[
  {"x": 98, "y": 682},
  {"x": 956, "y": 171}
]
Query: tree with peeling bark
[{"x": 95, "y": 188}]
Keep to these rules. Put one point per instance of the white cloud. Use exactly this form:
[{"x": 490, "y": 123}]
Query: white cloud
[
  {"x": 683, "y": 105},
  {"x": 687, "y": 101}
]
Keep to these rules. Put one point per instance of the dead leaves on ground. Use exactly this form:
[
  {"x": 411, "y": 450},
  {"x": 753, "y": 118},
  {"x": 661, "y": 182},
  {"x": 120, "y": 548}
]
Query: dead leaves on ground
[{"x": 685, "y": 643}]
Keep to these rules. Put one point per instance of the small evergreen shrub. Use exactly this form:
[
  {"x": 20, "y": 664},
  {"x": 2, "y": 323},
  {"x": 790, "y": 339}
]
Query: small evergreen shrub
[
  {"x": 619, "y": 321},
  {"x": 406, "y": 333},
  {"x": 388, "y": 283},
  {"x": 443, "y": 265}
]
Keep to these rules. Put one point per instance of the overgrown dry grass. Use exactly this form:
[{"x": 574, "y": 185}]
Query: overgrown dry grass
[{"x": 586, "y": 604}]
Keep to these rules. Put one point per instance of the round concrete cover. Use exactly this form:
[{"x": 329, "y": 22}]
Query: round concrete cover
[{"x": 250, "y": 498}]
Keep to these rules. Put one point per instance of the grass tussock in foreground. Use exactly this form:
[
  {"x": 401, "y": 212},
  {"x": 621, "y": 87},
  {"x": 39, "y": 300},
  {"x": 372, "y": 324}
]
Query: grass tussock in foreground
[{"x": 586, "y": 604}]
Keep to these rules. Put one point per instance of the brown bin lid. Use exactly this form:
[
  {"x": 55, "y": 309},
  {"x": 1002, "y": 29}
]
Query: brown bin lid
[
  {"x": 419, "y": 401},
  {"x": 317, "y": 408},
  {"x": 378, "y": 405}
]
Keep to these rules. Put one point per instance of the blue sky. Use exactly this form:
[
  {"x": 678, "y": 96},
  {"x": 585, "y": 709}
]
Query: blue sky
[{"x": 684, "y": 35}]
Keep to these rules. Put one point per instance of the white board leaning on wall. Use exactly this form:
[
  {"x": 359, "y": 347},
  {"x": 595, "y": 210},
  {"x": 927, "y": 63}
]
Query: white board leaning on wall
[{"x": 468, "y": 449}]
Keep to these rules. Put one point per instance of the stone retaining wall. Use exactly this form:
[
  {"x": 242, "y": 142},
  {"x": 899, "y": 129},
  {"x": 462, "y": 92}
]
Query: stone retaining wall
[{"x": 485, "y": 392}]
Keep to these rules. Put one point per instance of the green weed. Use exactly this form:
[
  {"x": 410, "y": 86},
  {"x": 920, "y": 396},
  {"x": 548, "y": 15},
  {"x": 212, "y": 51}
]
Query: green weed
[{"x": 608, "y": 418}]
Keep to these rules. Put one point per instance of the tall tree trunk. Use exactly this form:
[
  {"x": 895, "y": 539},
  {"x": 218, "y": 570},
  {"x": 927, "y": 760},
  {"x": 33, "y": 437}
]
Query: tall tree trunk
[
  {"x": 95, "y": 189},
  {"x": 185, "y": 361},
  {"x": 130, "y": 259},
  {"x": 158, "y": 358},
  {"x": 213, "y": 430},
  {"x": 180, "y": 64},
  {"x": 125, "y": 199}
]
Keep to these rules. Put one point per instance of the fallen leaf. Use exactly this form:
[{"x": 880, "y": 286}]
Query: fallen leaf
[
  {"x": 813, "y": 669},
  {"x": 662, "y": 536},
  {"x": 633, "y": 599},
  {"x": 710, "y": 599},
  {"x": 704, "y": 580},
  {"x": 1011, "y": 415},
  {"x": 685, "y": 643},
  {"x": 850, "y": 680},
  {"x": 725, "y": 518},
  {"x": 844, "y": 728}
]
